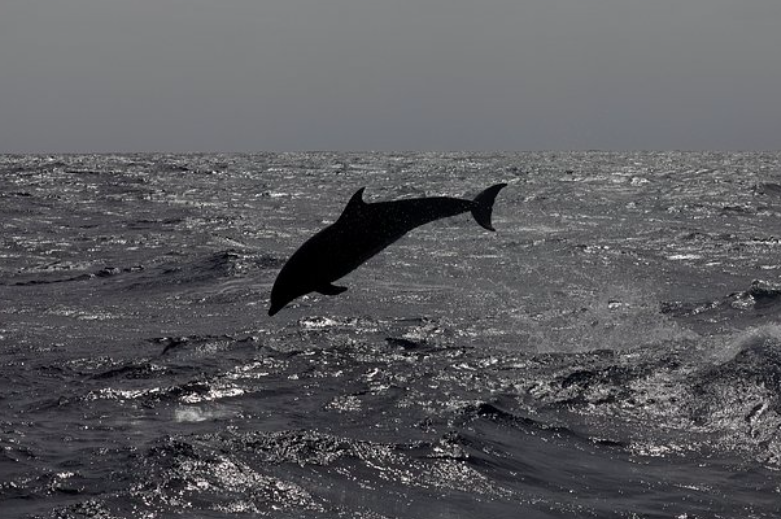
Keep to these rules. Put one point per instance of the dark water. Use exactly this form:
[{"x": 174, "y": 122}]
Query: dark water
[{"x": 614, "y": 350}]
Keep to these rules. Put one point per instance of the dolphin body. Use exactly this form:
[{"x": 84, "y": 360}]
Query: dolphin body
[{"x": 363, "y": 230}]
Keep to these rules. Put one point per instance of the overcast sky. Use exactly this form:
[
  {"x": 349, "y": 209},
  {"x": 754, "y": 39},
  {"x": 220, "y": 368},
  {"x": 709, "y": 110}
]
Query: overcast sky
[{"x": 252, "y": 75}]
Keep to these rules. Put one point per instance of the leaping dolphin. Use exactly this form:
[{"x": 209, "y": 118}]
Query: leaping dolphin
[{"x": 363, "y": 230}]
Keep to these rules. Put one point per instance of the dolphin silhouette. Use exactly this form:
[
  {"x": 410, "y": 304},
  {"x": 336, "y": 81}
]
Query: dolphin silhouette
[{"x": 363, "y": 230}]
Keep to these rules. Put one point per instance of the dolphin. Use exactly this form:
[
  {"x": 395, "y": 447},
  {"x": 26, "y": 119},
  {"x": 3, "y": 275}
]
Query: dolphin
[{"x": 363, "y": 230}]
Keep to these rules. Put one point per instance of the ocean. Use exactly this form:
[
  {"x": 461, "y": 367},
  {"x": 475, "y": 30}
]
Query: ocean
[{"x": 612, "y": 351}]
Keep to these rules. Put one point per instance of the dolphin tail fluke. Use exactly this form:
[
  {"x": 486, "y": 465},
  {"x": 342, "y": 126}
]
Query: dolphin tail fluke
[{"x": 484, "y": 206}]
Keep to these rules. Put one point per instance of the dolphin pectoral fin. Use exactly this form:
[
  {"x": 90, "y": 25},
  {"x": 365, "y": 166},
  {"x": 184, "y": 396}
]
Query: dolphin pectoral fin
[{"x": 330, "y": 290}]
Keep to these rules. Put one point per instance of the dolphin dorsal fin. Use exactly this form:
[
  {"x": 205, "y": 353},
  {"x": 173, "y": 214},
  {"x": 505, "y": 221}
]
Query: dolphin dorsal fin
[{"x": 355, "y": 204}]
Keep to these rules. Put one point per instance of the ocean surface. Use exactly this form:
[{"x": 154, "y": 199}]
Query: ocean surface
[{"x": 612, "y": 351}]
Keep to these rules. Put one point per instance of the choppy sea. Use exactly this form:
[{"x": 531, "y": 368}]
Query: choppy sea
[{"x": 612, "y": 351}]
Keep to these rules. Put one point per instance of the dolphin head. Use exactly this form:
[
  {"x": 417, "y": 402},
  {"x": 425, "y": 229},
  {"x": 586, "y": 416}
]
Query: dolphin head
[
  {"x": 276, "y": 306},
  {"x": 281, "y": 295},
  {"x": 287, "y": 287}
]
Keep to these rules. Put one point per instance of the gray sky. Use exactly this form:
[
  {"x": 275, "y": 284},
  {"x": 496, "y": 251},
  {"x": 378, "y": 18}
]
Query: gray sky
[{"x": 251, "y": 75}]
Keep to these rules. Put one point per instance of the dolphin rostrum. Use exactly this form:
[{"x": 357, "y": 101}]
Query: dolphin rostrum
[{"x": 363, "y": 230}]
